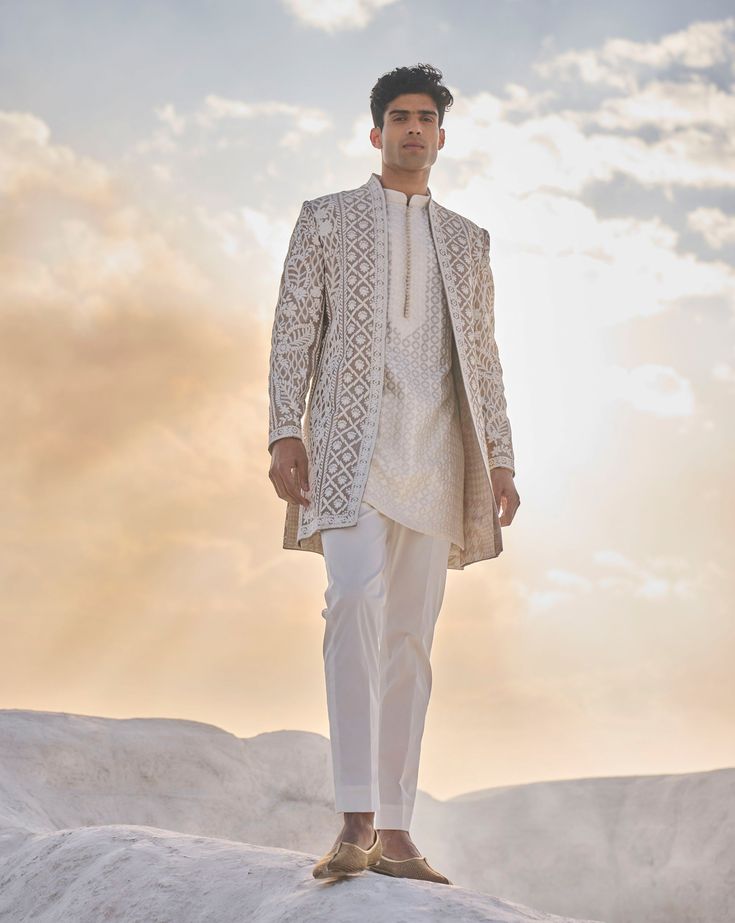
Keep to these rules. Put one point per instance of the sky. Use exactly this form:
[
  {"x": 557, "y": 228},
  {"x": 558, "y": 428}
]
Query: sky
[{"x": 153, "y": 160}]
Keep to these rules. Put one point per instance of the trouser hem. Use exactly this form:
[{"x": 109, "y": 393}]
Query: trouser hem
[{"x": 393, "y": 817}]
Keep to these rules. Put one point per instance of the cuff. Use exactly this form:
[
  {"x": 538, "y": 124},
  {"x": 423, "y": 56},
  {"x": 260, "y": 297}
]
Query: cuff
[
  {"x": 503, "y": 461},
  {"x": 281, "y": 432}
]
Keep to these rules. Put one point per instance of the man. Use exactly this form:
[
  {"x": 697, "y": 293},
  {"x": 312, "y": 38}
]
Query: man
[{"x": 386, "y": 309}]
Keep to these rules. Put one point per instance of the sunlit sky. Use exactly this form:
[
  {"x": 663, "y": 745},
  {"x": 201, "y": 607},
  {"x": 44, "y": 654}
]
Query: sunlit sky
[{"x": 153, "y": 159}]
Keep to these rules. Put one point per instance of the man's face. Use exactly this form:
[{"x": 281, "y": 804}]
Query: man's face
[{"x": 410, "y": 137}]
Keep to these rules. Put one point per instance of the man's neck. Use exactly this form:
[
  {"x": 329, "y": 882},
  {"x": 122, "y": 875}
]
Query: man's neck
[{"x": 413, "y": 183}]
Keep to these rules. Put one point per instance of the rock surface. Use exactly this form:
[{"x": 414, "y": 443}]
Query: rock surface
[{"x": 158, "y": 820}]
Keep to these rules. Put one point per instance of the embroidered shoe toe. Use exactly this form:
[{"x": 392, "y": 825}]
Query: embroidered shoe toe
[{"x": 415, "y": 867}]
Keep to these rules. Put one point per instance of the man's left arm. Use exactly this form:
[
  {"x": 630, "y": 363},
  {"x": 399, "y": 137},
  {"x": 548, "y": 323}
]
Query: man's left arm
[{"x": 498, "y": 429}]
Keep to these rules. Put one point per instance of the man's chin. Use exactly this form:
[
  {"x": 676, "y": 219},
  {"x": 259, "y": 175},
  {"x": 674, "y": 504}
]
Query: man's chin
[{"x": 412, "y": 161}]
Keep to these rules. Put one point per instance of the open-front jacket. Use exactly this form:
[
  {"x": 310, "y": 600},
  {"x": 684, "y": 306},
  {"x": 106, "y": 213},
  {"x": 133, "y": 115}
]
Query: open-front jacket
[{"x": 328, "y": 341}]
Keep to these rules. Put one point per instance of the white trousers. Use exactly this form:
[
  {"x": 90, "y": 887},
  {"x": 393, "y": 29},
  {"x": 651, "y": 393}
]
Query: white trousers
[{"x": 385, "y": 590}]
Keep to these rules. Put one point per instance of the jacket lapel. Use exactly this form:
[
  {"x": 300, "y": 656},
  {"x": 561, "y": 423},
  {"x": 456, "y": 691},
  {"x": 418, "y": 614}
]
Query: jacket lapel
[{"x": 452, "y": 247}]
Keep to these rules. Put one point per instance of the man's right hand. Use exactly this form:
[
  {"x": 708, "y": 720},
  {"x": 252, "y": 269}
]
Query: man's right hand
[{"x": 289, "y": 469}]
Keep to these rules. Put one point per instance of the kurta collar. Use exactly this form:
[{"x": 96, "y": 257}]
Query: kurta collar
[{"x": 395, "y": 195}]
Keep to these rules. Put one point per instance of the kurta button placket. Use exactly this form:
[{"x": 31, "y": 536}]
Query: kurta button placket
[{"x": 406, "y": 287}]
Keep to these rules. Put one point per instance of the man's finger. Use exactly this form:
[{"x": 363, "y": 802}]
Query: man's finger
[
  {"x": 293, "y": 484},
  {"x": 288, "y": 485},
  {"x": 303, "y": 478},
  {"x": 279, "y": 485}
]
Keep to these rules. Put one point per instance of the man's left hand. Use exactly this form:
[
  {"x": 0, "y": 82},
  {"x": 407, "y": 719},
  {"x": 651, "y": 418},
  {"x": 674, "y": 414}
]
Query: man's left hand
[{"x": 506, "y": 495}]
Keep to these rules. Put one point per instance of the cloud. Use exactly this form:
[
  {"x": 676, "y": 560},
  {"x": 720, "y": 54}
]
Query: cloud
[
  {"x": 218, "y": 122},
  {"x": 544, "y": 174},
  {"x": 656, "y": 579},
  {"x": 238, "y": 231},
  {"x": 29, "y": 163},
  {"x": 306, "y": 119},
  {"x": 565, "y": 578},
  {"x": 717, "y": 228},
  {"x": 656, "y": 389},
  {"x": 725, "y": 372},
  {"x": 335, "y": 15},
  {"x": 566, "y": 151},
  {"x": 111, "y": 325},
  {"x": 619, "y": 62},
  {"x": 132, "y": 391},
  {"x": 668, "y": 105}
]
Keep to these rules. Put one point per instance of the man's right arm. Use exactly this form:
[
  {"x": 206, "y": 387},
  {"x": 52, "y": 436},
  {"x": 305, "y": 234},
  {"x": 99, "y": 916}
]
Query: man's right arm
[{"x": 296, "y": 328}]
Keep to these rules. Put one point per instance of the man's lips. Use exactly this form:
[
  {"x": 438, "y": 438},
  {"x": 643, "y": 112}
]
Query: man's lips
[{"x": 413, "y": 144}]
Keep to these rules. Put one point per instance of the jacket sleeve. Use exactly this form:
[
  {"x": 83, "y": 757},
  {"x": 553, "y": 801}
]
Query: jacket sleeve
[
  {"x": 297, "y": 327},
  {"x": 498, "y": 428}
]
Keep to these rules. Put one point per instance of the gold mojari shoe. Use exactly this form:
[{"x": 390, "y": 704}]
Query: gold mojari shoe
[
  {"x": 414, "y": 867},
  {"x": 345, "y": 859}
]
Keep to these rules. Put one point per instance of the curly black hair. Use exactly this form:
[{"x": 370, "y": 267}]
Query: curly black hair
[{"x": 422, "y": 78}]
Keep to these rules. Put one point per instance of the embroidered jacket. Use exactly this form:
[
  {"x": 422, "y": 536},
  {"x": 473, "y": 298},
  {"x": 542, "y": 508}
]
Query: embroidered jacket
[{"x": 328, "y": 340}]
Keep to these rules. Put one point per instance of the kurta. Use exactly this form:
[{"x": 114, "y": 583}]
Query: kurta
[{"x": 416, "y": 472}]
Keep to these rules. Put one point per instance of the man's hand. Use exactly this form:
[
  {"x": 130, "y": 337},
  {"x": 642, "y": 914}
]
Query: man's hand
[
  {"x": 289, "y": 469},
  {"x": 506, "y": 495}
]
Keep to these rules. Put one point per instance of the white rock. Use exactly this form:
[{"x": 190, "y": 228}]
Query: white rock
[{"x": 158, "y": 820}]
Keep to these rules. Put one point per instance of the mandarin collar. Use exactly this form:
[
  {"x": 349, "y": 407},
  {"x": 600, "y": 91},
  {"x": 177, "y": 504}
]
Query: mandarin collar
[{"x": 400, "y": 198}]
